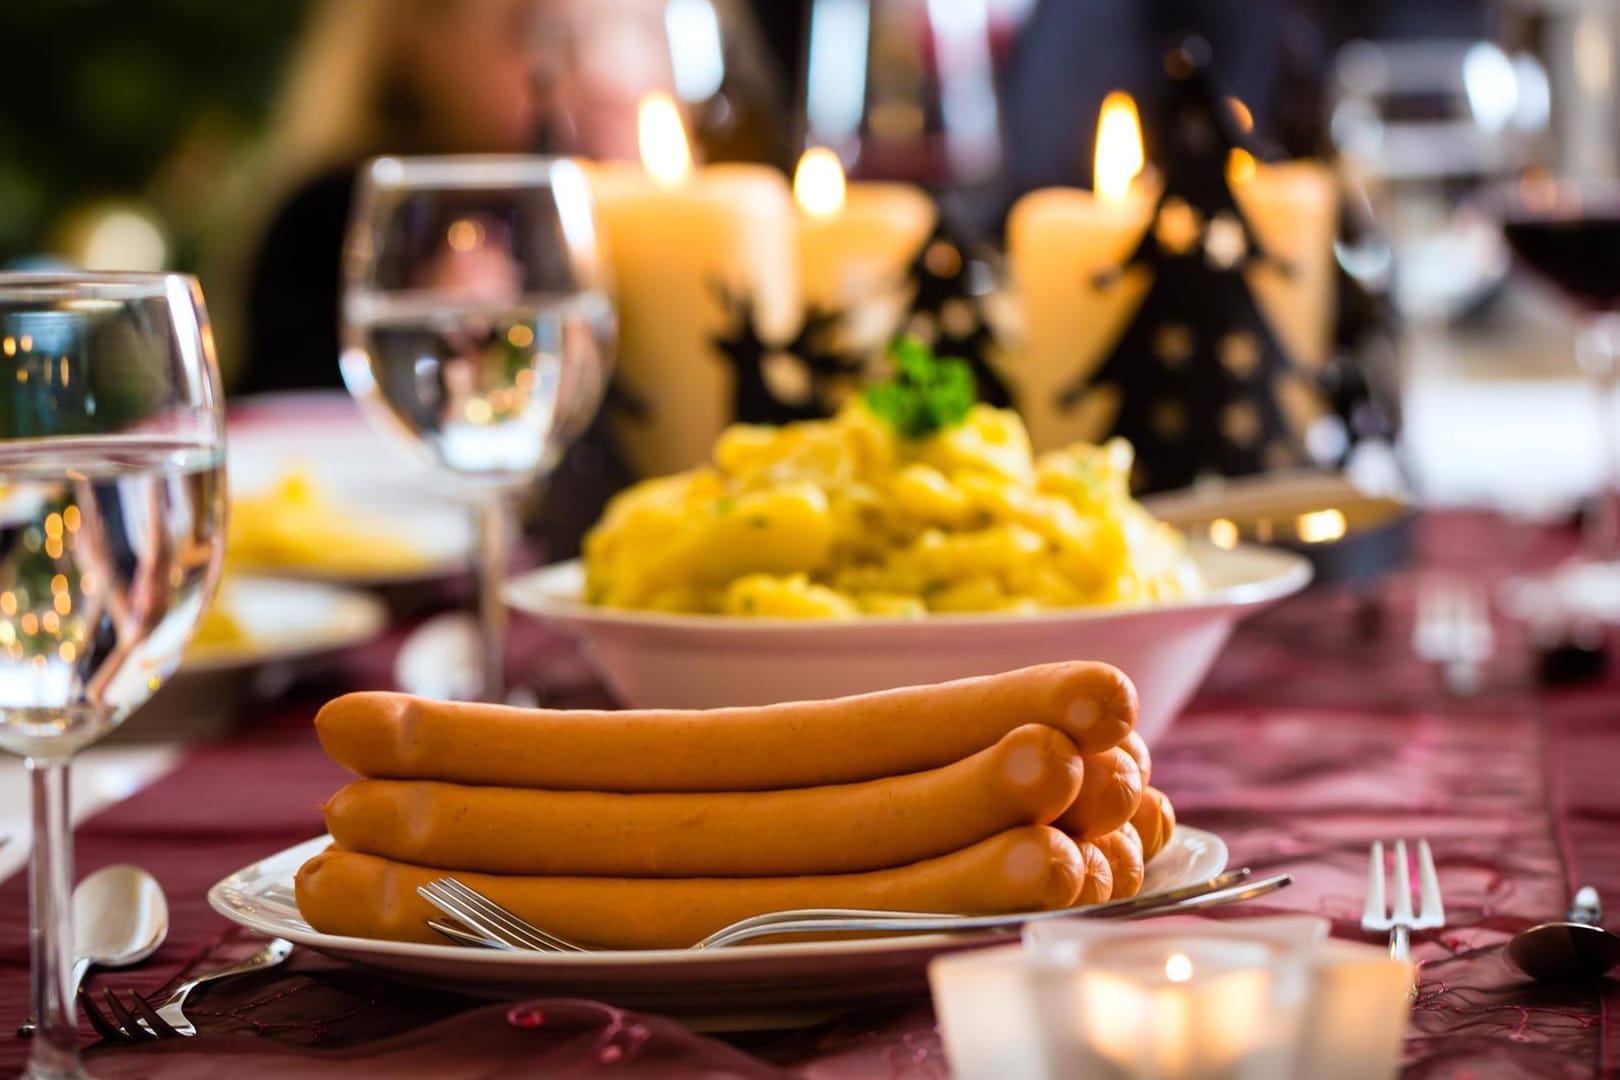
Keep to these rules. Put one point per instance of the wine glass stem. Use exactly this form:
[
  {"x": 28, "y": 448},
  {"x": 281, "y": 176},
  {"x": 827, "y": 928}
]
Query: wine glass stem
[
  {"x": 55, "y": 1049},
  {"x": 1598, "y": 351},
  {"x": 494, "y": 523}
]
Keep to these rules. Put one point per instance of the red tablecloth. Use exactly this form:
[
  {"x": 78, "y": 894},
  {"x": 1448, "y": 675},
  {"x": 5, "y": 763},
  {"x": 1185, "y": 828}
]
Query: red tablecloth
[{"x": 1312, "y": 738}]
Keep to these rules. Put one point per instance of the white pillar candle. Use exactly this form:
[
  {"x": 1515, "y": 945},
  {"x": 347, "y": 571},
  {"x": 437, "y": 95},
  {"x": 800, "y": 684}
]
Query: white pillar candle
[
  {"x": 855, "y": 239},
  {"x": 1061, "y": 242},
  {"x": 677, "y": 235},
  {"x": 1293, "y": 208}
]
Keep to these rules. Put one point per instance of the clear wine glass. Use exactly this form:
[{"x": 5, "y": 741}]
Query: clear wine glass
[
  {"x": 1567, "y": 232},
  {"x": 478, "y": 330},
  {"x": 112, "y": 515}
]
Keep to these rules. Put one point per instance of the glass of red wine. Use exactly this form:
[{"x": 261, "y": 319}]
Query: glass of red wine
[{"x": 1568, "y": 234}]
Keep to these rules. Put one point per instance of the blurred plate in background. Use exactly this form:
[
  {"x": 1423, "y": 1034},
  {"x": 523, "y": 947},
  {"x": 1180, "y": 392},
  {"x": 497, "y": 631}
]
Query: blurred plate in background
[
  {"x": 361, "y": 492},
  {"x": 284, "y": 620}
]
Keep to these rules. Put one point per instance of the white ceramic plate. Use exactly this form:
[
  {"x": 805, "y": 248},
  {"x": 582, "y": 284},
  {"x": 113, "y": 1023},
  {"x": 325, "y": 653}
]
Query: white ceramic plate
[
  {"x": 751, "y": 984},
  {"x": 285, "y": 620},
  {"x": 324, "y": 435},
  {"x": 655, "y": 660},
  {"x": 440, "y": 534}
]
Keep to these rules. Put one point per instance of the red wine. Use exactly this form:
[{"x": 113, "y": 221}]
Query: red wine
[{"x": 1578, "y": 253}]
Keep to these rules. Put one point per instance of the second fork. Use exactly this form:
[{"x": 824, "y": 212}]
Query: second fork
[{"x": 1393, "y": 912}]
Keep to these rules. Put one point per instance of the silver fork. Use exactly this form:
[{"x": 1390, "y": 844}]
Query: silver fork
[
  {"x": 1396, "y": 916},
  {"x": 490, "y": 920},
  {"x": 480, "y": 920},
  {"x": 1452, "y": 629},
  {"x": 140, "y": 1020}
]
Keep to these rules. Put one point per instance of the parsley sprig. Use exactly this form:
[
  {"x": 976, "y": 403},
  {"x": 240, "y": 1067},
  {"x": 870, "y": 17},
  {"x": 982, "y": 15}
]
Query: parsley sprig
[{"x": 926, "y": 394}]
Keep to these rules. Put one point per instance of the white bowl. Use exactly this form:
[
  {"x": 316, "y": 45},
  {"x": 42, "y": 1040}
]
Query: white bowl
[{"x": 653, "y": 660}]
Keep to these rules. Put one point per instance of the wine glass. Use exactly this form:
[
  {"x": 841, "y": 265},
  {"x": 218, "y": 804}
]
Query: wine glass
[
  {"x": 112, "y": 512},
  {"x": 477, "y": 330},
  {"x": 1567, "y": 232}
]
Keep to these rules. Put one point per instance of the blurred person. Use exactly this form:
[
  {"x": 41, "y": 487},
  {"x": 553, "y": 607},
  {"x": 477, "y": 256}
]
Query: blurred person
[
  {"x": 373, "y": 77},
  {"x": 369, "y": 77}
]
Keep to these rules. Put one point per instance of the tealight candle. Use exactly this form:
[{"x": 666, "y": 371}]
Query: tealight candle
[
  {"x": 681, "y": 239},
  {"x": 1248, "y": 999},
  {"x": 1177, "y": 1008}
]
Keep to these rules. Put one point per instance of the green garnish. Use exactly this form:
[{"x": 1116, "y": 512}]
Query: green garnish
[{"x": 927, "y": 394}]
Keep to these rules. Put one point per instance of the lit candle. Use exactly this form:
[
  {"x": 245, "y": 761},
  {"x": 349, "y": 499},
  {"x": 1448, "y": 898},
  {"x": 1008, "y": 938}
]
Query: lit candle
[
  {"x": 1181, "y": 997},
  {"x": 1292, "y": 206},
  {"x": 678, "y": 236},
  {"x": 855, "y": 239},
  {"x": 1175, "y": 1008},
  {"x": 1059, "y": 241}
]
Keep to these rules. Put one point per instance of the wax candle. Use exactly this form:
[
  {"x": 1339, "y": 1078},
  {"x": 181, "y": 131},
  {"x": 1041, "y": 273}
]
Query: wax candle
[
  {"x": 855, "y": 239},
  {"x": 681, "y": 238},
  {"x": 1292, "y": 206},
  {"x": 1176, "y": 1008},
  {"x": 1059, "y": 242},
  {"x": 1244, "y": 999}
]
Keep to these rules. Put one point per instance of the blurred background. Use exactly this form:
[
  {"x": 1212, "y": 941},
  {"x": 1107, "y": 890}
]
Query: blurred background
[{"x": 222, "y": 139}]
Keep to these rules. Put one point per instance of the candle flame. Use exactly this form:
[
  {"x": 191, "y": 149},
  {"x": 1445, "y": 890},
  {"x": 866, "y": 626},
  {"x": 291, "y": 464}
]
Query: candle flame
[
  {"x": 1241, "y": 166},
  {"x": 1178, "y": 968},
  {"x": 664, "y": 151},
  {"x": 1241, "y": 113},
  {"x": 818, "y": 182},
  {"x": 1119, "y": 148},
  {"x": 1321, "y": 526}
]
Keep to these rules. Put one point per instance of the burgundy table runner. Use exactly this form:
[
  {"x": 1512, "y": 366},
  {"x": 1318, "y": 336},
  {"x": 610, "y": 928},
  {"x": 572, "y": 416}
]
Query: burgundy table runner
[{"x": 1311, "y": 739}]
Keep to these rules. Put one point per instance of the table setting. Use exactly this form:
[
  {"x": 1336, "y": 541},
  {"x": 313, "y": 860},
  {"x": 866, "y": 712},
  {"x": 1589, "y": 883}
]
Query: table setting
[{"x": 1014, "y": 650}]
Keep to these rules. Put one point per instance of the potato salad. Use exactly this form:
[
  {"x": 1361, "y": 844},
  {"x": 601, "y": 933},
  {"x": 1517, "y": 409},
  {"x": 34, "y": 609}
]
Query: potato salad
[{"x": 848, "y": 517}]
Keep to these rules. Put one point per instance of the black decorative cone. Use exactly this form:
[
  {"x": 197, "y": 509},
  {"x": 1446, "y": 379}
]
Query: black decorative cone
[
  {"x": 947, "y": 310},
  {"x": 781, "y": 382}
]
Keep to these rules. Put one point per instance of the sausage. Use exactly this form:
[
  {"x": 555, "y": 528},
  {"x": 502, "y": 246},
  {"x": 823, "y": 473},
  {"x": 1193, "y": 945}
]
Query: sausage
[
  {"x": 1155, "y": 820},
  {"x": 757, "y": 748},
  {"x": 1028, "y": 778},
  {"x": 1123, "y": 850},
  {"x": 1099, "y": 882},
  {"x": 1136, "y": 746},
  {"x": 1108, "y": 797},
  {"x": 1031, "y": 868}
]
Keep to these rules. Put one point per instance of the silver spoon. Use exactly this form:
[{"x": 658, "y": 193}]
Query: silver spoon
[
  {"x": 120, "y": 917},
  {"x": 1576, "y": 949}
]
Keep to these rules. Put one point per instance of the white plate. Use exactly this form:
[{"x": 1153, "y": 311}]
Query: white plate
[
  {"x": 654, "y": 660},
  {"x": 440, "y": 534},
  {"x": 750, "y": 984},
  {"x": 286, "y": 619},
  {"x": 324, "y": 435}
]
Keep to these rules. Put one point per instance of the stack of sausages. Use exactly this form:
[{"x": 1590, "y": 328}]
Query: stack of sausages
[{"x": 653, "y": 828}]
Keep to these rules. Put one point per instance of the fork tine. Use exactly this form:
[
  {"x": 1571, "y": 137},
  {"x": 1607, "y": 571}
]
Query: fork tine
[
  {"x": 1432, "y": 913},
  {"x": 435, "y": 894},
  {"x": 1401, "y": 904},
  {"x": 159, "y": 1026},
  {"x": 1374, "y": 914},
  {"x": 126, "y": 1020},
  {"x": 514, "y": 924},
  {"x": 486, "y": 917},
  {"x": 98, "y": 1020}
]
